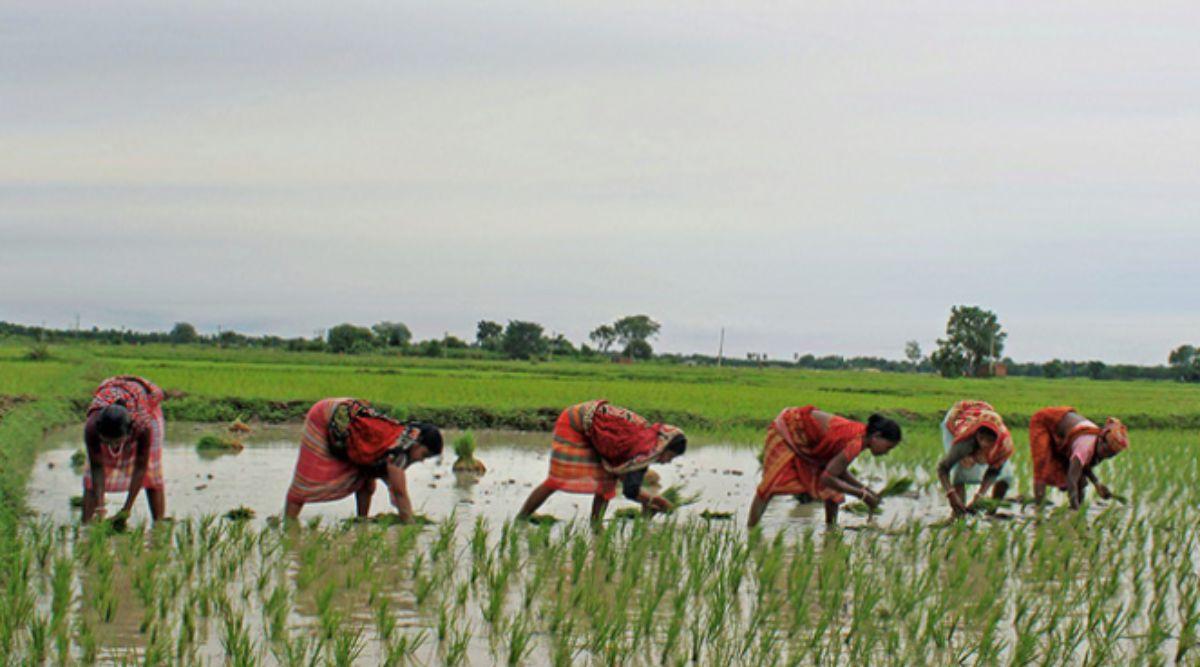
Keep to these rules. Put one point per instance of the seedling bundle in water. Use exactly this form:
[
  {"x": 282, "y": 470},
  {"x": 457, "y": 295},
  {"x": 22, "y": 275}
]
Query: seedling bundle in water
[
  {"x": 464, "y": 449},
  {"x": 218, "y": 444},
  {"x": 241, "y": 513},
  {"x": 895, "y": 487},
  {"x": 674, "y": 495}
]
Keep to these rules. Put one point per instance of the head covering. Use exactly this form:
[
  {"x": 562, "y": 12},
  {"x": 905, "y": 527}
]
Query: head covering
[
  {"x": 1115, "y": 434},
  {"x": 965, "y": 420}
]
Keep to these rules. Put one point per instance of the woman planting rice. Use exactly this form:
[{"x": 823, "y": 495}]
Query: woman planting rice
[
  {"x": 1066, "y": 447},
  {"x": 597, "y": 443},
  {"x": 347, "y": 445},
  {"x": 124, "y": 435},
  {"x": 809, "y": 452},
  {"x": 978, "y": 447}
]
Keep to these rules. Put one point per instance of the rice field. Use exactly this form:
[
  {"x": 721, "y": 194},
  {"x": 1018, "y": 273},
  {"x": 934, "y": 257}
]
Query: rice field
[{"x": 1114, "y": 584}]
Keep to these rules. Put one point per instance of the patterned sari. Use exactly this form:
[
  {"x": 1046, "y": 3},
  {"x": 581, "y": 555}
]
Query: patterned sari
[
  {"x": 143, "y": 399},
  {"x": 1051, "y": 453},
  {"x": 320, "y": 474},
  {"x": 798, "y": 448}
]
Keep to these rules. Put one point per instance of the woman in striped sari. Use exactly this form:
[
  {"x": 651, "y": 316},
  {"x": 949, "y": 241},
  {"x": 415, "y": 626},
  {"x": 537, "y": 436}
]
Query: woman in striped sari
[
  {"x": 346, "y": 446},
  {"x": 596, "y": 444},
  {"x": 808, "y": 452}
]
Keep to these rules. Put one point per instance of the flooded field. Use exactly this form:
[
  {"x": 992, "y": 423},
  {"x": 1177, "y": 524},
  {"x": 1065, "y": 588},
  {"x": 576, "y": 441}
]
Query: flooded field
[
  {"x": 1114, "y": 585},
  {"x": 257, "y": 477}
]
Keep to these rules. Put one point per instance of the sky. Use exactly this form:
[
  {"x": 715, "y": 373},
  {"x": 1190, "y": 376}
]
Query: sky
[{"x": 820, "y": 177}]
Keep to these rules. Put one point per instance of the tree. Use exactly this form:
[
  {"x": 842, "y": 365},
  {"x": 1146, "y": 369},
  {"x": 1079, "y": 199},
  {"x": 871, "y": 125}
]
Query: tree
[
  {"x": 560, "y": 346},
  {"x": 488, "y": 334},
  {"x": 392, "y": 334},
  {"x": 523, "y": 340},
  {"x": 348, "y": 338},
  {"x": 1186, "y": 360},
  {"x": 1095, "y": 370},
  {"x": 912, "y": 351},
  {"x": 973, "y": 339},
  {"x": 635, "y": 327},
  {"x": 603, "y": 336},
  {"x": 454, "y": 342},
  {"x": 638, "y": 349},
  {"x": 1053, "y": 368},
  {"x": 184, "y": 332}
]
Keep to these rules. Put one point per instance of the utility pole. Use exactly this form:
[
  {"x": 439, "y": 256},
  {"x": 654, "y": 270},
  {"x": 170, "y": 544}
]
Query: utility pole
[{"x": 721, "y": 348}]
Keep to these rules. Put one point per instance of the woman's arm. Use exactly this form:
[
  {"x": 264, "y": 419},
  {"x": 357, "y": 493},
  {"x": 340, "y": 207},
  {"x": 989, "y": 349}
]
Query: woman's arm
[
  {"x": 989, "y": 478},
  {"x": 832, "y": 477},
  {"x": 1101, "y": 490},
  {"x": 397, "y": 484},
  {"x": 1075, "y": 482},
  {"x": 141, "y": 461},
  {"x": 957, "y": 453}
]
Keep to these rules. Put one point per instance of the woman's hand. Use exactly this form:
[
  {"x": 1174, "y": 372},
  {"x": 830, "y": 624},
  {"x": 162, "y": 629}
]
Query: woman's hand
[
  {"x": 956, "y": 503},
  {"x": 660, "y": 504},
  {"x": 871, "y": 498},
  {"x": 1103, "y": 491}
]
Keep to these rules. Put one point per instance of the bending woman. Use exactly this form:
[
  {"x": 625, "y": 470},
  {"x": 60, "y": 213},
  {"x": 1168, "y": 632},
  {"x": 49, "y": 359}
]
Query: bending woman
[
  {"x": 978, "y": 447},
  {"x": 596, "y": 444},
  {"x": 1066, "y": 447},
  {"x": 809, "y": 452},
  {"x": 124, "y": 438},
  {"x": 347, "y": 445}
]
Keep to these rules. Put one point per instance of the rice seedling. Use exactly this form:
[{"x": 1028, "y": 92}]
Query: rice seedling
[
  {"x": 674, "y": 494},
  {"x": 240, "y": 513},
  {"x": 464, "y": 450},
  {"x": 716, "y": 515},
  {"x": 212, "y": 444}
]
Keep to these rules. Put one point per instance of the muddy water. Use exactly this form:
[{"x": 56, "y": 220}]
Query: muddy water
[{"x": 257, "y": 477}]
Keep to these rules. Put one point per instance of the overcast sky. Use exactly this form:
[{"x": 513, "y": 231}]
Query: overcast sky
[{"x": 817, "y": 177}]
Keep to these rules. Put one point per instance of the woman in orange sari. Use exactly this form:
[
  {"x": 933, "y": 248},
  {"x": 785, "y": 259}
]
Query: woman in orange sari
[
  {"x": 1066, "y": 447},
  {"x": 347, "y": 445},
  {"x": 809, "y": 452},
  {"x": 596, "y": 444}
]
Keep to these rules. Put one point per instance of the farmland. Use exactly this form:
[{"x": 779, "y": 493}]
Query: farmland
[{"x": 1116, "y": 584}]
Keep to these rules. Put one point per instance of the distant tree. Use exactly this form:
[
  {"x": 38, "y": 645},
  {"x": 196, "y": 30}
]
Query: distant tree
[
  {"x": 523, "y": 340},
  {"x": 454, "y": 343},
  {"x": 560, "y": 346},
  {"x": 1185, "y": 360},
  {"x": 1053, "y": 368},
  {"x": 638, "y": 349},
  {"x": 635, "y": 328},
  {"x": 912, "y": 352},
  {"x": 973, "y": 339},
  {"x": 489, "y": 335},
  {"x": 231, "y": 339},
  {"x": 392, "y": 334},
  {"x": 603, "y": 336},
  {"x": 1095, "y": 370},
  {"x": 348, "y": 338},
  {"x": 431, "y": 348},
  {"x": 183, "y": 333}
]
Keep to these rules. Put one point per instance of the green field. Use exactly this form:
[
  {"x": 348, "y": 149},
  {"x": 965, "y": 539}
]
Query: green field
[{"x": 1117, "y": 585}]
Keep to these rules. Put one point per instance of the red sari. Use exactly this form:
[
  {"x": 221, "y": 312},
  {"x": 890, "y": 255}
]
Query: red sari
[
  {"x": 1051, "y": 453},
  {"x": 798, "y": 448}
]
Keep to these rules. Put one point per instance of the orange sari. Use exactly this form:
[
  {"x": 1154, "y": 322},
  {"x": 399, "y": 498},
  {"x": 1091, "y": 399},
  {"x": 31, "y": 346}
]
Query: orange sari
[
  {"x": 1052, "y": 453},
  {"x": 798, "y": 448}
]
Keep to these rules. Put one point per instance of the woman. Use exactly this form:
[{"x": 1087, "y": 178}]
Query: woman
[
  {"x": 808, "y": 452},
  {"x": 124, "y": 437},
  {"x": 978, "y": 447},
  {"x": 1066, "y": 447},
  {"x": 597, "y": 443},
  {"x": 347, "y": 445}
]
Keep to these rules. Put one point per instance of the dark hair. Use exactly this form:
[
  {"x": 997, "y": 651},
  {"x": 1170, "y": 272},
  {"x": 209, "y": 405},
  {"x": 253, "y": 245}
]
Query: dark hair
[
  {"x": 430, "y": 436},
  {"x": 114, "y": 422},
  {"x": 882, "y": 426},
  {"x": 678, "y": 444}
]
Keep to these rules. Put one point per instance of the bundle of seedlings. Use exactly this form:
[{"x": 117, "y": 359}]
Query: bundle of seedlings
[
  {"x": 895, "y": 487},
  {"x": 464, "y": 449},
  {"x": 218, "y": 444},
  {"x": 239, "y": 426}
]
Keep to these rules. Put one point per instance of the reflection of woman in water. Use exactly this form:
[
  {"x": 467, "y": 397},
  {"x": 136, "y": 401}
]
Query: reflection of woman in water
[
  {"x": 978, "y": 447},
  {"x": 808, "y": 452},
  {"x": 347, "y": 445},
  {"x": 124, "y": 439},
  {"x": 597, "y": 443},
  {"x": 1066, "y": 448}
]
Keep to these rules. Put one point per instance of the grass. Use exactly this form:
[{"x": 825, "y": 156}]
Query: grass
[{"x": 1115, "y": 585}]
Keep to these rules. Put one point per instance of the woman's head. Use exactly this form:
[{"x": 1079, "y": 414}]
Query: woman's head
[
  {"x": 882, "y": 434},
  {"x": 985, "y": 437},
  {"x": 114, "y": 423},
  {"x": 676, "y": 447},
  {"x": 429, "y": 442}
]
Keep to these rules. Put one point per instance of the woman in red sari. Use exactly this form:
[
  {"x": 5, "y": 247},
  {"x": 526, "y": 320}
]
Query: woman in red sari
[
  {"x": 346, "y": 446},
  {"x": 809, "y": 452},
  {"x": 1066, "y": 447},
  {"x": 124, "y": 439},
  {"x": 596, "y": 444}
]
